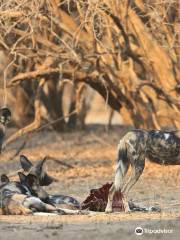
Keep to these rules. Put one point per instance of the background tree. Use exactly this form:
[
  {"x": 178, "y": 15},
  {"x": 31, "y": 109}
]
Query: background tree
[{"x": 128, "y": 51}]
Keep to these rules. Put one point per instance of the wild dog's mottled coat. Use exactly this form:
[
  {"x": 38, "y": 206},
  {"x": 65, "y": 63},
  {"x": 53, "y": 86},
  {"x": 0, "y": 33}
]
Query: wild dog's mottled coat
[
  {"x": 16, "y": 197},
  {"x": 37, "y": 170},
  {"x": 162, "y": 147}
]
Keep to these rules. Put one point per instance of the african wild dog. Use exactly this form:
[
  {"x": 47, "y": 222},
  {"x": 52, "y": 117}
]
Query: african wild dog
[
  {"x": 17, "y": 197},
  {"x": 5, "y": 117},
  {"x": 44, "y": 180},
  {"x": 27, "y": 195},
  {"x": 36, "y": 169},
  {"x": 162, "y": 147}
]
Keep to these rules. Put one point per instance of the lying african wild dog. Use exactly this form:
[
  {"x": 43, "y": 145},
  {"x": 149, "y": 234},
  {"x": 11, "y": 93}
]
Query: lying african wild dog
[
  {"x": 21, "y": 197},
  {"x": 161, "y": 147},
  {"x": 27, "y": 195},
  {"x": 45, "y": 180},
  {"x": 37, "y": 170}
]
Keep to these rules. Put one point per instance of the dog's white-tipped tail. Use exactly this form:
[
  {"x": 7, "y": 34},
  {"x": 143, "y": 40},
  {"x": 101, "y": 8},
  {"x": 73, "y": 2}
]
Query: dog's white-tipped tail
[{"x": 121, "y": 168}]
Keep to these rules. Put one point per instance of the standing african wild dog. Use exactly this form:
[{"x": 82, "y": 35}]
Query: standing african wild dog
[{"x": 162, "y": 147}]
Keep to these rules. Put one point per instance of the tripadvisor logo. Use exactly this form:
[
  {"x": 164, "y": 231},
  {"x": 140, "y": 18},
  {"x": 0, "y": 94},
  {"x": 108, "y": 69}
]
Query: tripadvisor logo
[
  {"x": 141, "y": 231},
  {"x": 138, "y": 231}
]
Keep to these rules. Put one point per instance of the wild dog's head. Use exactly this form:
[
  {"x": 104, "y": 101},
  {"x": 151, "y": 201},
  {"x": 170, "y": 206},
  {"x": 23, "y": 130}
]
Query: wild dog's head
[
  {"x": 5, "y": 115},
  {"x": 32, "y": 183},
  {"x": 36, "y": 170},
  {"x": 8, "y": 187}
]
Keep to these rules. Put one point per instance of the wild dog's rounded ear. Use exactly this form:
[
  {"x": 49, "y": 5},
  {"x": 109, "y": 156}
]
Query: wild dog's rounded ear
[
  {"x": 46, "y": 180},
  {"x": 4, "y": 178},
  {"x": 22, "y": 177},
  {"x": 25, "y": 163},
  {"x": 37, "y": 169},
  {"x": 40, "y": 164}
]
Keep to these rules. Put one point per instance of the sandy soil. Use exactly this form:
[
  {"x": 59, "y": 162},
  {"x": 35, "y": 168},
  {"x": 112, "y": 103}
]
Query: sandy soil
[{"x": 92, "y": 154}]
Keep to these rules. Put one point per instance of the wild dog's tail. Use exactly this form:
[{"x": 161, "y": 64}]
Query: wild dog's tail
[{"x": 122, "y": 165}]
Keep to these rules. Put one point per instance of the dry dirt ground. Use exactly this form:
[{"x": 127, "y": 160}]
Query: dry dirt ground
[{"x": 92, "y": 154}]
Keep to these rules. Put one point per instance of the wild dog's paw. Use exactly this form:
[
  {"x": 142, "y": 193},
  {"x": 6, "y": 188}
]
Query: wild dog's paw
[
  {"x": 127, "y": 210},
  {"x": 126, "y": 207},
  {"x": 26, "y": 211},
  {"x": 108, "y": 209}
]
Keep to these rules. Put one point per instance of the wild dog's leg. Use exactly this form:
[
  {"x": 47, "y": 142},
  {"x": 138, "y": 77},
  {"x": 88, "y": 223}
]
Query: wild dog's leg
[
  {"x": 136, "y": 151},
  {"x": 137, "y": 169},
  {"x": 49, "y": 208},
  {"x": 136, "y": 173},
  {"x": 36, "y": 204},
  {"x": 110, "y": 199}
]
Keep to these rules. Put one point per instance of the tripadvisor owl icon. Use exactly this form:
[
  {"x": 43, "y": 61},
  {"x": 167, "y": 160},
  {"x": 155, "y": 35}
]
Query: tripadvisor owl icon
[{"x": 138, "y": 231}]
